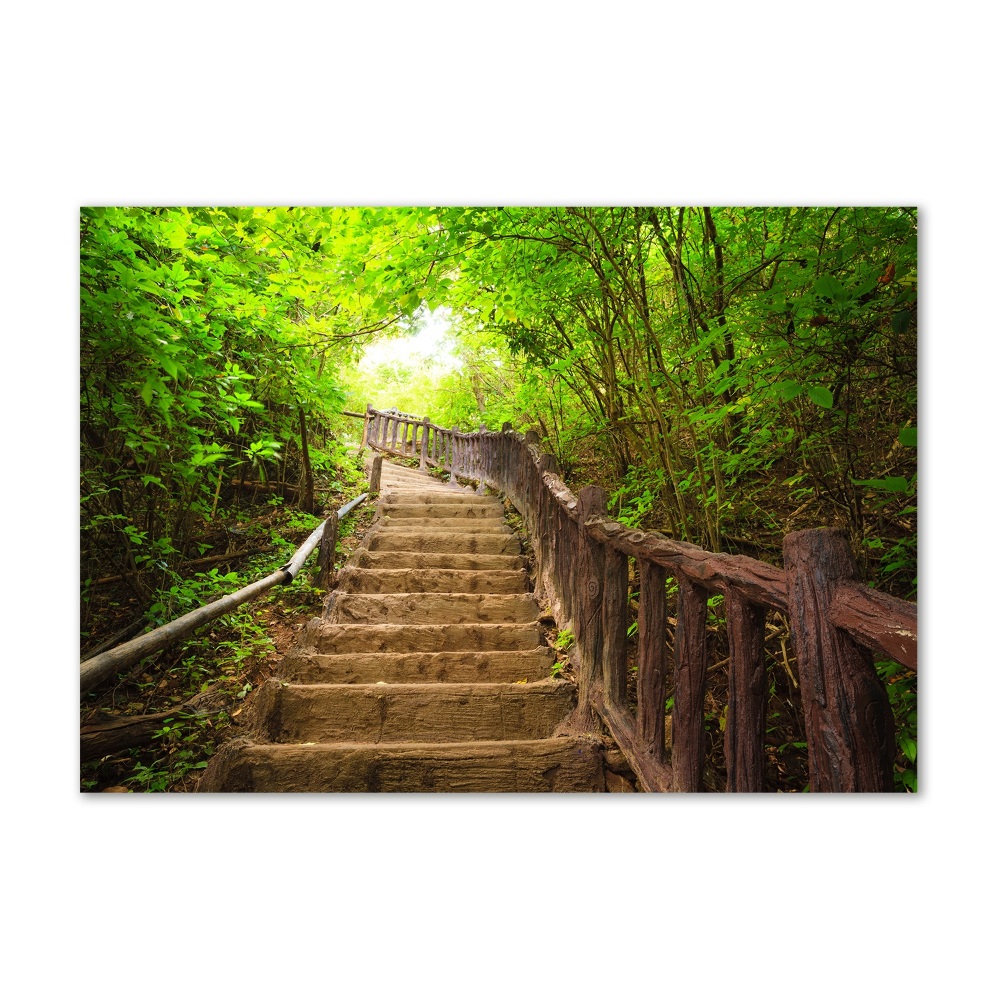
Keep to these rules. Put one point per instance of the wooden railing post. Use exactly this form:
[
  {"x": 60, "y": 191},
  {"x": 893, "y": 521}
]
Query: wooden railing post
[
  {"x": 652, "y": 681},
  {"x": 588, "y": 581},
  {"x": 481, "y": 460},
  {"x": 328, "y": 553},
  {"x": 746, "y": 713},
  {"x": 614, "y": 626},
  {"x": 690, "y": 670},
  {"x": 424, "y": 442},
  {"x": 368, "y": 423},
  {"x": 849, "y": 725},
  {"x": 454, "y": 454},
  {"x": 375, "y": 482}
]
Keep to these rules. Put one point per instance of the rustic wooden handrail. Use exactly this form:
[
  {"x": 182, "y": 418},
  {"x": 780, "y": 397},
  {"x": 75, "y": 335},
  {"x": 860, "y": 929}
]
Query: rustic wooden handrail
[
  {"x": 582, "y": 558},
  {"x": 100, "y": 668}
]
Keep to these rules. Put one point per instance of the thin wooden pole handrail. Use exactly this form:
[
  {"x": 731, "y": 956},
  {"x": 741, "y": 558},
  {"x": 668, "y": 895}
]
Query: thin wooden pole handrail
[{"x": 99, "y": 668}]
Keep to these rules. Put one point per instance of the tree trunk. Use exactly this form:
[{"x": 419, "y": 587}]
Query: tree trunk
[{"x": 306, "y": 500}]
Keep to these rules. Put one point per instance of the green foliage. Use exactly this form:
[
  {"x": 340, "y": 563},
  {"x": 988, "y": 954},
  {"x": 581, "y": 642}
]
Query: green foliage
[
  {"x": 901, "y": 686},
  {"x": 703, "y": 356},
  {"x": 204, "y": 332},
  {"x": 564, "y": 640}
]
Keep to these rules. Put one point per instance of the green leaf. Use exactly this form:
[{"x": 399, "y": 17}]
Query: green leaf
[
  {"x": 820, "y": 396},
  {"x": 789, "y": 390},
  {"x": 892, "y": 484},
  {"x": 908, "y": 436},
  {"x": 146, "y": 392},
  {"x": 909, "y": 748},
  {"x": 900, "y": 320},
  {"x": 828, "y": 286}
]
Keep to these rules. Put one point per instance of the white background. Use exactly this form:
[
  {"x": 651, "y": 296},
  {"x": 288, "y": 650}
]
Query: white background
[{"x": 769, "y": 103}]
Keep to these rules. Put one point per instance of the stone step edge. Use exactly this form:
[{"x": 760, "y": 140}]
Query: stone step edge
[{"x": 229, "y": 755}]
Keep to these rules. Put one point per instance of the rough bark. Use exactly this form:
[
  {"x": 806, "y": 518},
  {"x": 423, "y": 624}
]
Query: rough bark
[
  {"x": 307, "y": 501},
  {"x": 747, "y": 710},
  {"x": 589, "y": 575},
  {"x": 849, "y": 725},
  {"x": 652, "y": 660},
  {"x": 691, "y": 655},
  {"x": 326, "y": 571}
]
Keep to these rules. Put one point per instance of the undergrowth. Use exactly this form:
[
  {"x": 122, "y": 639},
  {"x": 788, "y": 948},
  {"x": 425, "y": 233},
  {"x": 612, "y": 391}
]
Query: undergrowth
[{"x": 220, "y": 666}]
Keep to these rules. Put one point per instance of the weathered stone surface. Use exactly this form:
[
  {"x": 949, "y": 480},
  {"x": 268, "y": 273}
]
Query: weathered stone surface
[
  {"x": 488, "y": 543},
  {"x": 553, "y": 765},
  {"x": 445, "y": 512},
  {"x": 394, "y": 713},
  {"x": 428, "y": 671},
  {"x": 328, "y": 637},
  {"x": 305, "y": 664},
  {"x": 440, "y": 497},
  {"x": 365, "y": 559},
  {"x": 478, "y": 525},
  {"x": 431, "y": 609},
  {"x": 441, "y": 581}
]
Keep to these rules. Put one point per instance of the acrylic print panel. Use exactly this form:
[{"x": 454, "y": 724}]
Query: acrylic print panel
[{"x": 518, "y": 499}]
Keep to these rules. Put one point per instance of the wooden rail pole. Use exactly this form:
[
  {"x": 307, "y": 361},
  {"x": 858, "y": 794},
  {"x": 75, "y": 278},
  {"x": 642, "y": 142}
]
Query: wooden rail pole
[
  {"x": 328, "y": 553},
  {"x": 375, "y": 482},
  {"x": 746, "y": 714},
  {"x": 588, "y": 579},
  {"x": 652, "y": 681},
  {"x": 368, "y": 423},
  {"x": 481, "y": 460},
  {"x": 690, "y": 671},
  {"x": 424, "y": 442},
  {"x": 614, "y": 626},
  {"x": 849, "y": 724}
]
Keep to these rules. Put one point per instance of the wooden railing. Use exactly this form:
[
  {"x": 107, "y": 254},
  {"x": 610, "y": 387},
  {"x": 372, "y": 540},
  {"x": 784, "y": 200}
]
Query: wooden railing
[{"x": 582, "y": 559}]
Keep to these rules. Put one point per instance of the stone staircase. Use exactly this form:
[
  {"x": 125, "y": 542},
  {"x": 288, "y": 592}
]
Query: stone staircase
[{"x": 427, "y": 672}]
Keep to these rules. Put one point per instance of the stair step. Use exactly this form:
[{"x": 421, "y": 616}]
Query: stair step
[
  {"x": 430, "y": 609},
  {"x": 305, "y": 664},
  {"x": 445, "y": 513},
  {"x": 414, "y": 581},
  {"x": 364, "y": 559},
  {"x": 444, "y": 495},
  {"x": 328, "y": 637},
  {"x": 424, "y": 540},
  {"x": 567, "y": 764},
  {"x": 411, "y": 713},
  {"x": 428, "y": 671},
  {"x": 478, "y": 525}
]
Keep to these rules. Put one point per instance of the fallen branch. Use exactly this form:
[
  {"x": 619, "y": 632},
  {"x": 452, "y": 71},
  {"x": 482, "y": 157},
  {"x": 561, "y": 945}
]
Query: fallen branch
[
  {"x": 126, "y": 732},
  {"x": 247, "y": 484}
]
